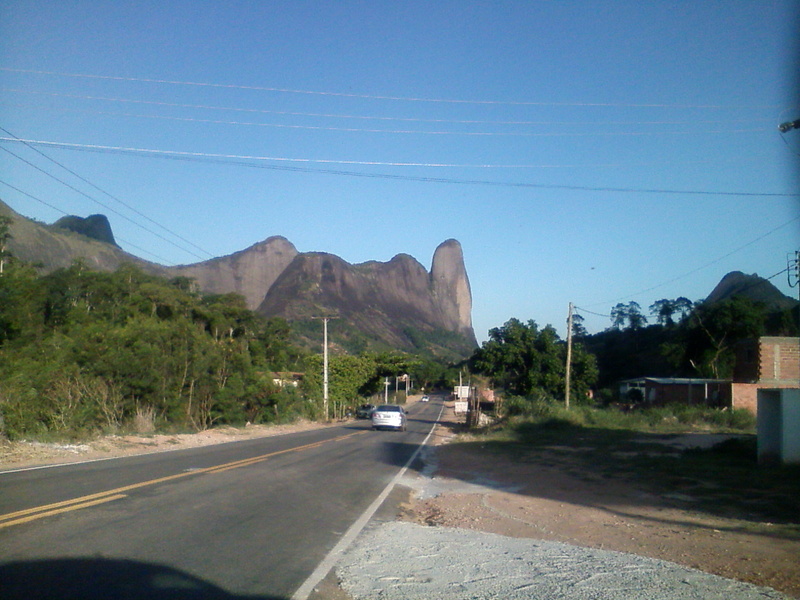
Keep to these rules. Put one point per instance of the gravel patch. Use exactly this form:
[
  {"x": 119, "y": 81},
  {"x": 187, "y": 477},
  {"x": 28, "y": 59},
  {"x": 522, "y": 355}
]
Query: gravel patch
[{"x": 405, "y": 561}]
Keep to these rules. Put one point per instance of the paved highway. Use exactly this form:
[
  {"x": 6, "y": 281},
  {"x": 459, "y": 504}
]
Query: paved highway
[{"x": 252, "y": 518}]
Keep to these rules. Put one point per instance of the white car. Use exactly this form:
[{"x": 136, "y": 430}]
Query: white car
[{"x": 389, "y": 416}]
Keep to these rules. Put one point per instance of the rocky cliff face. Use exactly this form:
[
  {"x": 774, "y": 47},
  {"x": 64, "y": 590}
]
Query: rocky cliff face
[
  {"x": 250, "y": 272},
  {"x": 392, "y": 305},
  {"x": 398, "y": 302},
  {"x": 451, "y": 287},
  {"x": 57, "y": 247},
  {"x": 753, "y": 287},
  {"x": 95, "y": 227}
]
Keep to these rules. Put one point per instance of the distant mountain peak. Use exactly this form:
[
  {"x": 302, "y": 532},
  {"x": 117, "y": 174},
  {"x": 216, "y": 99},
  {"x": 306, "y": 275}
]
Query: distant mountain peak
[
  {"x": 753, "y": 287},
  {"x": 95, "y": 227}
]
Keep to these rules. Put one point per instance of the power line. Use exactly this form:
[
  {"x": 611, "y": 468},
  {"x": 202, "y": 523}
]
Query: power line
[
  {"x": 527, "y": 166},
  {"x": 234, "y": 159},
  {"x": 373, "y": 117},
  {"x": 368, "y": 96},
  {"x": 693, "y": 271},
  {"x": 592, "y": 134},
  {"x": 715, "y": 261},
  {"x": 748, "y": 287},
  {"x": 591, "y": 313},
  {"x": 125, "y": 204},
  {"x": 32, "y": 197},
  {"x": 95, "y": 200}
]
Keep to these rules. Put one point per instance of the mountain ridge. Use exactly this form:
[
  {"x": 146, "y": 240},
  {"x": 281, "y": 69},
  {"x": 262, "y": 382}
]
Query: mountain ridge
[
  {"x": 387, "y": 305},
  {"x": 753, "y": 287}
]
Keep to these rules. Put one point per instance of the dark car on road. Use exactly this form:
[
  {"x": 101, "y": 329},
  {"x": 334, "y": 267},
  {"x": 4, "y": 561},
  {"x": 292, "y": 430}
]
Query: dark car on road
[{"x": 364, "y": 411}]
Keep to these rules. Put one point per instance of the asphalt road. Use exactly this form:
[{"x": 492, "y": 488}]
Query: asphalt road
[{"x": 246, "y": 519}]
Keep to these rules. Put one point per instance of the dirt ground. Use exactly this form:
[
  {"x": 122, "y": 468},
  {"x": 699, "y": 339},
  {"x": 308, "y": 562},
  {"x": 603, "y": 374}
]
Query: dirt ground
[{"x": 549, "y": 502}]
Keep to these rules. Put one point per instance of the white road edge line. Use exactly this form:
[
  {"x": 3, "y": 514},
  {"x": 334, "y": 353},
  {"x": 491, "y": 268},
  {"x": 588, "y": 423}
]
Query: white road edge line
[{"x": 349, "y": 537}]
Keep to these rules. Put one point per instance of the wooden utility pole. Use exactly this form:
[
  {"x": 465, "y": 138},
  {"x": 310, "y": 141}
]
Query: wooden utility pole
[{"x": 569, "y": 355}]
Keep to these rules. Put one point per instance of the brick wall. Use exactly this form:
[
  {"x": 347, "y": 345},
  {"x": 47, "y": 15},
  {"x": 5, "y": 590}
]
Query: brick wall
[
  {"x": 779, "y": 361},
  {"x": 745, "y": 396}
]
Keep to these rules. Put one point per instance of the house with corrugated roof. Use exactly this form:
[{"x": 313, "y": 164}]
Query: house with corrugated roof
[{"x": 768, "y": 362}]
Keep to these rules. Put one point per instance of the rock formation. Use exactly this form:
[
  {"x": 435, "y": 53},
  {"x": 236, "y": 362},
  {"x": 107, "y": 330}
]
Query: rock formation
[
  {"x": 250, "y": 272},
  {"x": 393, "y": 305}
]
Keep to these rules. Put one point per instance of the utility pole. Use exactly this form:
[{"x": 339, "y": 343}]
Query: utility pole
[
  {"x": 569, "y": 355},
  {"x": 793, "y": 271},
  {"x": 325, "y": 362},
  {"x": 386, "y": 391}
]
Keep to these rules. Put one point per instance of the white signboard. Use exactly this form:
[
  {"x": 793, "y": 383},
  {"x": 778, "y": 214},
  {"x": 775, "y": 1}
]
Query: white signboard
[
  {"x": 461, "y": 407},
  {"x": 461, "y": 392}
]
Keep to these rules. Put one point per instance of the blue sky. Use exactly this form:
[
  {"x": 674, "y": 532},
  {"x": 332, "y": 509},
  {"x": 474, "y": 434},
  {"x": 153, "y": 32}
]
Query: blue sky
[{"x": 588, "y": 152}]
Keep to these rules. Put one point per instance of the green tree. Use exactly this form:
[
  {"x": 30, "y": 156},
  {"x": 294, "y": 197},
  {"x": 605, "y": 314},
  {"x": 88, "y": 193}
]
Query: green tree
[
  {"x": 578, "y": 329},
  {"x": 22, "y": 301},
  {"x": 707, "y": 338},
  {"x": 630, "y": 313},
  {"x": 426, "y": 373},
  {"x": 664, "y": 309},
  {"x": 527, "y": 361}
]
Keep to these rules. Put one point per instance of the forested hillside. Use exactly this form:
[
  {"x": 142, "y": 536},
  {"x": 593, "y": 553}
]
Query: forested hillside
[
  {"x": 688, "y": 339},
  {"x": 83, "y": 351}
]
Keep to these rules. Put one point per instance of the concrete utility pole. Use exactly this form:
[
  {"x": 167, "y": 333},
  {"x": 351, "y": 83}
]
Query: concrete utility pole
[
  {"x": 569, "y": 355},
  {"x": 325, "y": 362}
]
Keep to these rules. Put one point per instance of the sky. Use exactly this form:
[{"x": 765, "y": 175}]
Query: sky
[{"x": 587, "y": 152}]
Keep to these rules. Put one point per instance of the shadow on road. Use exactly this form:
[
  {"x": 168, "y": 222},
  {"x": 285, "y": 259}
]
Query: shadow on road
[{"x": 105, "y": 579}]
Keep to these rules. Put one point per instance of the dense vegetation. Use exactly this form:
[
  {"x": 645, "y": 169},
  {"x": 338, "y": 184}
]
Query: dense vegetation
[
  {"x": 83, "y": 351},
  {"x": 689, "y": 340},
  {"x": 530, "y": 362}
]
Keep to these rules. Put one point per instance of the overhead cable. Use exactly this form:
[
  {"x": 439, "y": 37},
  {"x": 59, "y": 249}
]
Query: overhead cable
[
  {"x": 377, "y": 118},
  {"x": 593, "y": 134},
  {"x": 367, "y": 96},
  {"x": 706, "y": 265},
  {"x": 256, "y": 161},
  {"x": 95, "y": 200},
  {"x": 125, "y": 204},
  {"x": 32, "y": 197}
]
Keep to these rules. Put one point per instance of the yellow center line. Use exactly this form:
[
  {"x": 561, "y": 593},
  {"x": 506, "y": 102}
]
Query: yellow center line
[
  {"x": 60, "y": 510},
  {"x": 30, "y": 514}
]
